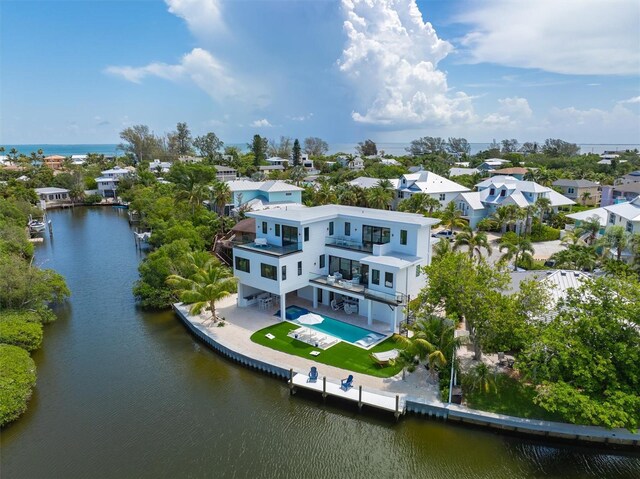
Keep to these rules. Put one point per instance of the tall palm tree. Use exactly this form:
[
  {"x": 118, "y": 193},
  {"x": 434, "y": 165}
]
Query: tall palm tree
[
  {"x": 346, "y": 195},
  {"x": 519, "y": 248},
  {"x": 586, "y": 196},
  {"x": 325, "y": 195},
  {"x": 192, "y": 189},
  {"x": 220, "y": 195},
  {"x": 378, "y": 197},
  {"x": 474, "y": 241},
  {"x": 543, "y": 205},
  {"x": 452, "y": 217},
  {"x": 591, "y": 227},
  {"x": 441, "y": 248},
  {"x": 503, "y": 216},
  {"x": 615, "y": 239},
  {"x": 210, "y": 282}
]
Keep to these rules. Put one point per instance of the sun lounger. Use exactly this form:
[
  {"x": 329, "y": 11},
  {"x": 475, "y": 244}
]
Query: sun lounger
[
  {"x": 346, "y": 383},
  {"x": 313, "y": 375},
  {"x": 385, "y": 358},
  {"x": 269, "y": 336}
]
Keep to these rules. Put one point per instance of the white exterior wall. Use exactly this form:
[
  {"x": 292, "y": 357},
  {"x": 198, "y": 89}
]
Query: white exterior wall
[{"x": 620, "y": 221}]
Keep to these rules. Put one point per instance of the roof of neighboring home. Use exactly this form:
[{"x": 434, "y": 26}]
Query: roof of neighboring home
[
  {"x": 266, "y": 186},
  {"x": 628, "y": 188},
  {"x": 558, "y": 280},
  {"x": 118, "y": 169},
  {"x": 516, "y": 170},
  {"x": 558, "y": 199},
  {"x": 366, "y": 182},
  {"x": 473, "y": 199},
  {"x": 224, "y": 168},
  {"x": 629, "y": 210},
  {"x": 271, "y": 167},
  {"x": 463, "y": 171},
  {"x": 497, "y": 181},
  {"x": 600, "y": 213},
  {"x": 275, "y": 159},
  {"x": 50, "y": 190},
  {"x": 428, "y": 182},
  {"x": 318, "y": 213},
  {"x": 54, "y": 158},
  {"x": 247, "y": 225},
  {"x": 575, "y": 183}
]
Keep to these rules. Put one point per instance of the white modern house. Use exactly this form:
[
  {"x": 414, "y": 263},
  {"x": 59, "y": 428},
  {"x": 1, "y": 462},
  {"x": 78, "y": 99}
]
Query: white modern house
[
  {"x": 354, "y": 164},
  {"x": 505, "y": 190},
  {"x": 156, "y": 166},
  {"x": 336, "y": 256},
  {"x": 261, "y": 195},
  {"x": 276, "y": 160},
  {"x": 429, "y": 183},
  {"x": 108, "y": 182},
  {"x": 626, "y": 215},
  {"x": 493, "y": 164}
]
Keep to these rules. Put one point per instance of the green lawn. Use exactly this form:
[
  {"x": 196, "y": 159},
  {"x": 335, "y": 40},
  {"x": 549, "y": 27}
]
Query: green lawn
[
  {"x": 512, "y": 398},
  {"x": 341, "y": 355}
]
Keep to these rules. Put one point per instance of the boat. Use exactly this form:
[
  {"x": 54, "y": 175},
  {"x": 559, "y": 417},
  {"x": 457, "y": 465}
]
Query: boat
[{"x": 36, "y": 226}]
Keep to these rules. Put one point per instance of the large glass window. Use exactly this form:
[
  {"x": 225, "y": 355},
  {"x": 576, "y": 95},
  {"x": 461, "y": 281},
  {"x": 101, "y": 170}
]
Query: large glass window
[
  {"x": 243, "y": 264},
  {"x": 375, "y": 235},
  {"x": 403, "y": 236},
  {"x": 289, "y": 235},
  {"x": 268, "y": 271},
  {"x": 375, "y": 276},
  {"x": 346, "y": 267},
  {"x": 388, "y": 280},
  {"x": 277, "y": 230}
]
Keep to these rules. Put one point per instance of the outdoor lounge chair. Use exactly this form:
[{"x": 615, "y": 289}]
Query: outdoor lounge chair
[
  {"x": 346, "y": 383},
  {"x": 335, "y": 305},
  {"x": 385, "y": 358},
  {"x": 313, "y": 375}
]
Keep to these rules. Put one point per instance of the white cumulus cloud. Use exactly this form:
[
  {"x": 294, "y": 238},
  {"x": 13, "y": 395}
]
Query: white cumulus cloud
[
  {"x": 635, "y": 99},
  {"x": 582, "y": 37},
  {"x": 263, "y": 123},
  {"x": 203, "y": 17},
  {"x": 511, "y": 112},
  {"x": 197, "y": 66},
  {"x": 391, "y": 56}
]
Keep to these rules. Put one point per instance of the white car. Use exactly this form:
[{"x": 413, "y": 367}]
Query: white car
[{"x": 446, "y": 234}]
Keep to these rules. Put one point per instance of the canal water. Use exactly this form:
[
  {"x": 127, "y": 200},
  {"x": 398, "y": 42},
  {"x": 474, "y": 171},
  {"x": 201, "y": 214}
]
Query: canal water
[{"x": 125, "y": 393}]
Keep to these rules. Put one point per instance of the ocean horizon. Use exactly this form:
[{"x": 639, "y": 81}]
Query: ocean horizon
[{"x": 396, "y": 149}]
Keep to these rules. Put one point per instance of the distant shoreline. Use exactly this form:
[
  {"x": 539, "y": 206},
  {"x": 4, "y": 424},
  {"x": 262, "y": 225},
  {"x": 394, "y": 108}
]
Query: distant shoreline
[{"x": 397, "y": 149}]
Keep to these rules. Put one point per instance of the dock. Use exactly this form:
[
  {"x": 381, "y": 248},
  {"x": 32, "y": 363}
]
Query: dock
[{"x": 358, "y": 395}]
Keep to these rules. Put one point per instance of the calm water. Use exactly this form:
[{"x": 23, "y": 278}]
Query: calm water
[
  {"x": 123, "y": 394},
  {"x": 397, "y": 149}
]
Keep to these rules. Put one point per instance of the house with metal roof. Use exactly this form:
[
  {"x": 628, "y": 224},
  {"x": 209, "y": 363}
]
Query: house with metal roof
[
  {"x": 260, "y": 195},
  {"x": 584, "y": 192},
  {"x": 626, "y": 215},
  {"x": 361, "y": 261},
  {"x": 52, "y": 197},
  {"x": 499, "y": 191}
]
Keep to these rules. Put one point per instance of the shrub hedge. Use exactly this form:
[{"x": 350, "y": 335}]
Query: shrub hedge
[
  {"x": 21, "y": 329},
  {"x": 17, "y": 378}
]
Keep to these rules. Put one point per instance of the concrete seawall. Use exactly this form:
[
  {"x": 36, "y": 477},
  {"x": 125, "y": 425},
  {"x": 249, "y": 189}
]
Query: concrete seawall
[{"x": 593, "y": 435}]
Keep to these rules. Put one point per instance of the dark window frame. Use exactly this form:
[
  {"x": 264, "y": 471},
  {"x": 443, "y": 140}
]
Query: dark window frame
[
  {"x": 387, "y": 275},
  {"x": 404, "y": 237},
  {"x": 264, "y": 271},
  {"x": 240, "y": 260},
  {"x": 347, "y": 229},
  {"x": 375, "y": 276}
]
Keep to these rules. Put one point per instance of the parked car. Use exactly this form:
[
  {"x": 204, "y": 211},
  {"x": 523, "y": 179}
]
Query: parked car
[{"x": 446, "y": 234}]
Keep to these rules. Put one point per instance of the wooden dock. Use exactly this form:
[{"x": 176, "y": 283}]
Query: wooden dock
[{"x": 357, "y": 394}]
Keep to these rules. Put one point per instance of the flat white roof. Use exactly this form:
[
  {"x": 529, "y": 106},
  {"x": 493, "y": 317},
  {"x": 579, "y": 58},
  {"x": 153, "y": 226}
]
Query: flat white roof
[
  {"x": 396, "y": 261},
  {"x": 327, "y": 212},
  {"x": 600, "y": 213},
  {"x": 50, "y": 190}
]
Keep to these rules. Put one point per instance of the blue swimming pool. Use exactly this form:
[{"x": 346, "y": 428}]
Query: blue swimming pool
[{"x": 344, "y": 331}]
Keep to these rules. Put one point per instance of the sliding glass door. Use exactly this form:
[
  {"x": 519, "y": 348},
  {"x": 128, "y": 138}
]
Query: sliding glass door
[{"x": 289, "y": 235}]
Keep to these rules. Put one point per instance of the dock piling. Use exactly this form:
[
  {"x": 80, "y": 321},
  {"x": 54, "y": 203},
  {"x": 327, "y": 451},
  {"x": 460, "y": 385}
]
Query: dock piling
[
  {"x": 397, "y": 413},
  {"x": 324, "y": 388},
  {"x": 292, "y": 389},
  {"x": 360, "y": 397}
]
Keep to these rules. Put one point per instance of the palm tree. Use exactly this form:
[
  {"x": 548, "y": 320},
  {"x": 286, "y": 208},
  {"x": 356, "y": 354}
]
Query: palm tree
[
  {"x": 220, "y": 195},
  {"x": 615, "y": 239},
  {"x": 210, "y": 282},
  {"x": 543, "y": 205},
  {"x": 591, "y": 227},
  {"x": 441, "y": 248},
  {"x": 585, "y": 197},
  {"x": 481, "y": 379},
  {"x": 324, "y": 195},
  {"x": 519, "y": 248},
  {"x": 474, "y": 241},
  {"x": 379, "y": 198},
  {"x": 502, "y": 216},
  {"x": 419, "y": 203},
  {"x": 452, "y": 217},
  {"x": 191, "y": 189}
]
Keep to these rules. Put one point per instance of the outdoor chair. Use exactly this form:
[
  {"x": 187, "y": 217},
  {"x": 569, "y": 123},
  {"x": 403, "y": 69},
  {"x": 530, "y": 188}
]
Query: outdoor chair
[
  {"x": 313, "y": 375},
  {"x": 335, "y": 305},
  {"x": 501, "y": 358},
  {"x": 346, "y": 383}
]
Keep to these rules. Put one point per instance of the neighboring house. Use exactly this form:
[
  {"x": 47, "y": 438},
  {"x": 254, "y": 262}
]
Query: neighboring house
[
  {"x": 108, "y": 181},
  {"x": 516, "y": 172},
  {"x": 601, "y": 213},
  {"x": 190, "y": 159},
  {"x": 51, "y": 197},
  {"x": 225, "y": 173},
  {"x": 626, "y": 215},
  {"x": 366, "y": 182},
  {"x": 79, "y": 159},
  {"x": 624, "y": 193},
  {"x": 493, "y": 164},
  {"x": 260, "y": 195},
  {"x": 558, "y": 282},
  {"x": 505, "y": 190},
  {"x": 436, "y": 186},
  {"x": 633, "y": 177},
  {"x": 276, "y": 160},
  {"x": 328, "y": 254},
  {"x": 54, "y": 161},
  {"x": 354, "y": 164},
  {"x": 463, "y": 171},
  {"x": 389, "y": 162},
  {"x": 159, "y": 167},
  {"x": 574, "y": 189}
]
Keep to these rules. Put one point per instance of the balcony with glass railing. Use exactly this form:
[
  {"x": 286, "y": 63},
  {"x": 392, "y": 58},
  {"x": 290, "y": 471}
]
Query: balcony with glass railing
[
  {"x": 347, "y": 243},
  {"x": 263, "y": 247},
  {"x": 337, "y": 282}
]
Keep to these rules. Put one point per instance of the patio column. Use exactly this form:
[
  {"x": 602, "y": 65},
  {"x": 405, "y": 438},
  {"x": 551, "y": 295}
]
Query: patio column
[
  {"x": 369, "y": 313},
  {"x": 283, "y": 306},
  {"x": 315, "y": 298},
  {"x": 239, "y": 301}
]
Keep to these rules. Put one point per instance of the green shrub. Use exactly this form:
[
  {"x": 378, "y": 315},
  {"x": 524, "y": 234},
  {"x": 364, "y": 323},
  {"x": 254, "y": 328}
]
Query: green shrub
[
  {"x": 21, "y": 329},
  {"x": 540, "y": 232},
  {"x": 92, "y": 199},
  {"x": 17, "y": 378}
]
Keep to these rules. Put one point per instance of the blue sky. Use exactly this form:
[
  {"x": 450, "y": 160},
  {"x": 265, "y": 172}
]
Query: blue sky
[{"x": 391, "y": 70}]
